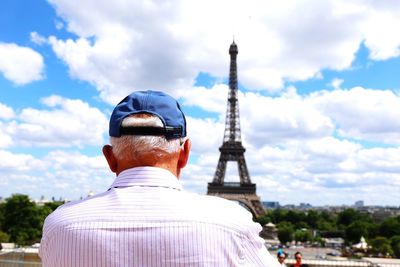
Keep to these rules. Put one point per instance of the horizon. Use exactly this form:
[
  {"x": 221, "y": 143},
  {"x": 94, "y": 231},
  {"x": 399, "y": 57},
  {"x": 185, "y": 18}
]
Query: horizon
[
  {"x": 45, "y": 199},
  {"x": 318, "y": 93}
]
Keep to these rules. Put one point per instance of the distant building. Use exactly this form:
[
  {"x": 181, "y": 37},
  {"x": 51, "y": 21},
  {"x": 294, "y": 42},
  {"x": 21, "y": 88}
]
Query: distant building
[
  {"x": 290, "y": 206},
  {"x": 271, "y": 204},
  {"x": 359, "y": 204},
  {"x": 305, "y": 206},
  {"x": 42, "y": 201},
  {"x": 336, "y": 242}
]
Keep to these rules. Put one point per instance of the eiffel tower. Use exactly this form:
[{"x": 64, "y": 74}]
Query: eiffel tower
[{"x": 232, "y": 150}]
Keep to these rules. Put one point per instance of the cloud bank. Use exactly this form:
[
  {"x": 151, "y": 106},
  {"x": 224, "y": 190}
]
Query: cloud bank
[
  {"x": 124, "y": 46},
  {"x": 21, "y": 65}
]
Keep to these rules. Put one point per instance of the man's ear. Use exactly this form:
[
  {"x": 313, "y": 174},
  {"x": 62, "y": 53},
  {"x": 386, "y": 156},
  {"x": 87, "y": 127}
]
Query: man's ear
[
  {"x": 184, "y": 153},
  {"x": 111, "y": 160}
]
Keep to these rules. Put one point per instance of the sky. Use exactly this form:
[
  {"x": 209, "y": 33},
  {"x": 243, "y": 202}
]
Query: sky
[{"x": 319, "y": 92}]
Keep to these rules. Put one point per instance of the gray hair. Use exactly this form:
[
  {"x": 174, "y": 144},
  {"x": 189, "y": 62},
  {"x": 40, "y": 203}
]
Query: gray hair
[{"x": 132, "y": 147}]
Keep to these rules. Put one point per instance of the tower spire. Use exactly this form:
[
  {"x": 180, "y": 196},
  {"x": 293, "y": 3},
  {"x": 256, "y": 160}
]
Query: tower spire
[{"x": 232, "y": 122}]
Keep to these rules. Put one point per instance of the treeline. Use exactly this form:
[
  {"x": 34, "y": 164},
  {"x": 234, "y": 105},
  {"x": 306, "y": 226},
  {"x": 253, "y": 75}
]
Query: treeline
[
  {"x": 21, "y": 220},
  {"x": 312, "y": 226}
]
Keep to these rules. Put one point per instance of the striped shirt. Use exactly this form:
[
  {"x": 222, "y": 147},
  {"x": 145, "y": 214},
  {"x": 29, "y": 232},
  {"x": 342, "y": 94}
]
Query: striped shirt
[{"x": 146, "y": 219}]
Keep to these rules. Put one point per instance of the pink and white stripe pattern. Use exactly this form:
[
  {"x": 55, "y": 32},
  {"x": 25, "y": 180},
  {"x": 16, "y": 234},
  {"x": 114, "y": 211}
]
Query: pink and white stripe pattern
[{"x": 146, "y": 219}]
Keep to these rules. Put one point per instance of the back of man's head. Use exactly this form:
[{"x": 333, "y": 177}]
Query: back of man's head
[
  {"x": 147, "y": 127},
  {"x": 141, "y": 147}
]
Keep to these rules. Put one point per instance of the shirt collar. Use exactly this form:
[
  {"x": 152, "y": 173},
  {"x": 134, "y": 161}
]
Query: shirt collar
[{"x": 147, "y": 176}]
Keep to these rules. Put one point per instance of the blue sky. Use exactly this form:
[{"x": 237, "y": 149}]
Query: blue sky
[{"x": 319, "y": 92}]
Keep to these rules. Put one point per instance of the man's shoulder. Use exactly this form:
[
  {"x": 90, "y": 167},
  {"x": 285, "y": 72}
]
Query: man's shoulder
[{"x": 73, "y": 210}]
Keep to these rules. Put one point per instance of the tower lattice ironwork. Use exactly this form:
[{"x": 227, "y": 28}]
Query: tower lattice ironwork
[{"x": 233, "y": 150}]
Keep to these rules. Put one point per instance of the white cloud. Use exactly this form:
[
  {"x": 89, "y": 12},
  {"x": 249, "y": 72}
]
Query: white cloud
[
  {"x": 37, "y": 38},
  {"x": 290, "y": 116},
  {"x": 20, "y": 64},
  {"x": 6, "y": 112},
  {"x": 75, "y": 161},
  {"x": 271, "y": 120},
  {"x": 383, "y": 36},
  {"x": 59, "y": 173},
  {"x": 17, "y": 163},
  {"x": 211, "y": 100},
  {"x": 336, "y": 83},
  {"x": 291, "y": 148},
  {"x": 64, "y": 123},
  {"x": 5, "y": 138},
  {"x": 381, "y": 160},
  {"x": 363, "y": 114},
  {"x": 125, "y": 46},
  {"x": 59, "y": 24},
  {"x": 121, "y": 55},
  {"x": 206, "y": 134},
  {"x": 340, "y": 171}
]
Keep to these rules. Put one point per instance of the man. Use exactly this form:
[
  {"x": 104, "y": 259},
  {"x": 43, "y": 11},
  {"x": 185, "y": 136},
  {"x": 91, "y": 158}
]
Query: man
[
  {"x": 298, "y": 257},
  {"x": 145, "y": 218},
  {"x": 281, "y": 256}
]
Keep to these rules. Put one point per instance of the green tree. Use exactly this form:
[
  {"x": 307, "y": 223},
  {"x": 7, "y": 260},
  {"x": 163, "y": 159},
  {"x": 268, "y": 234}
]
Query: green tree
[
  {"x": 381, "y": 246},
  {"x": 312, "y": 218},
  {"x": 373, "y": 230},
  {"x": 278, "y": 215},
  {"x": 54, "y": 205},
  {"x": 302, "y": 235},
  {"x": 333, "y": 233},
  {"x": 285, "y": 232},
  {"x": 297, "y": 218},
  {"x": 22, "y": 220},
  {"x": 324, "y": 225},
  {"x": 2, "y": 208},
  {"x": 264, "y": 219},
  {"x": 390, "y": 227},
  {"x": 302, "y": 225},
  {"x": 328, "y": 216},
  {"x": 4, "y": 237},
  {"x": 395, "y": 243},
  {"x": 356, "y": 230},
  {"x": 348, "y": 216}
]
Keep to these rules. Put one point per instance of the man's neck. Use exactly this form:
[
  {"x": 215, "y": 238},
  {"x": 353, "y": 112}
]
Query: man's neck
[{"x": 163, "y": 165}]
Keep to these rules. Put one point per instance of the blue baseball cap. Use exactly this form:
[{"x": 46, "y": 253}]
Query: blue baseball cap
[
  {"x": 280, "y": 253},
  {"x": 157, "y": 103}
]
